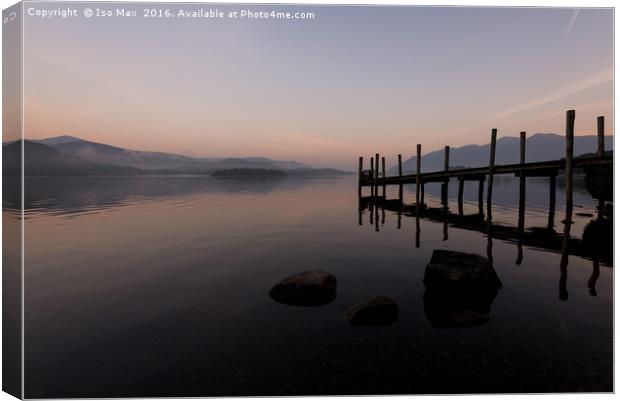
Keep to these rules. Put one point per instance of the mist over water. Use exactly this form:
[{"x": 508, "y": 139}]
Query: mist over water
[{"x": 159, "y": 286}]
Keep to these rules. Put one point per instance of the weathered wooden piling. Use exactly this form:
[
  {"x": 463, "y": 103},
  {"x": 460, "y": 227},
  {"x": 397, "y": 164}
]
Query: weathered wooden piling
[
  {"x": 600, "y": 125},
  {"x": 568, "y": 170},
  {"x": 552, "y": 189},
  {"x": 491, "y": 171},
  {"x": 460, "y": 198},
  {"x": 521, "y": 219},
  {"x": 521, "y": 224},
  {"x": 418, "y": 180},
  {"x": 377, "y": 174},
  {"x": 400, "y": 174},
  {"x": 444, "y": 186},
  {"x": 383, "y": 172},
  {"x": 360, "y": 169},
  {"x": 481, "y": 196},
  {"x": 372, "y": 173}
]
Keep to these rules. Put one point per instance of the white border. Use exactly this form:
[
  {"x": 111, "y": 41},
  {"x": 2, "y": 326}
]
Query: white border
[{"x": 480, "y": 3}]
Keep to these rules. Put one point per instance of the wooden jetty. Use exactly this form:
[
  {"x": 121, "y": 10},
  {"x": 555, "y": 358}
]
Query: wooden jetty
[
  {"x": 598, "y": 173},
  {"x": 599, "y": 181}
]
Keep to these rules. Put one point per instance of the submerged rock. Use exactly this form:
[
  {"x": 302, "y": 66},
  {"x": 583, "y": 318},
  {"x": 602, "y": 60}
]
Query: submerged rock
[
  {"x": 460, "y": 288},
  {"x": 309, "y": 288},
  {"x": 598, "y": 239},
  {"x": 378, "y": 311}
]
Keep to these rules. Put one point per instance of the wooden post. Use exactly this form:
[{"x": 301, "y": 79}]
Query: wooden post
[
  {"x": 359, "y": 173},
  {"x": 372, "y": 174},
  {"x": 400, "y": 186},
  {"x": 601, "y": 136},
  {"x": 491, "y": 170},
  {"x": 600, "y": 153},
  {"x": 461, "y": 185},
  {"x": 552, "y": 189},
  {"x": 568, "y": 170},
  {"x": 360, "y": 168},
  {"x": 377, "y": 174},
  {"x": 521, "y": 224},
  {"x": 444, "y": 186},
  {"x": 417, "y": 180},
  {"x": 383, "y": 173},
  {"x": 481, "y": 197}
]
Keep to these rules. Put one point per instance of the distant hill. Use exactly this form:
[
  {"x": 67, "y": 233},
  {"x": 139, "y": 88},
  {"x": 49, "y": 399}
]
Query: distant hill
[
  {"x": 103, "y": 153},
  {"x": 66, "y": 156},
  {"x": 539, "y": 147},
  {"x": 249, "y": 172},
  {"x": 316, "y": 172},
  {"x": 43, "y": 160}
]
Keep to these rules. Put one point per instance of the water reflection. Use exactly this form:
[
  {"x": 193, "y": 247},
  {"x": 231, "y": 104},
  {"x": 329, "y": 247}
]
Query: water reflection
[
  {"x": 158, "y": 286},
  {"x": 595, "y": 244},
  {"x": 75, "y": 195}
]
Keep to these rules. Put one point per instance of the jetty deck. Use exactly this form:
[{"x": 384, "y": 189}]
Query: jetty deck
[
  {"x": 535, "y": 169},
  {"x": 598, "y": 169},
  {"x": 599, "y": 183}
]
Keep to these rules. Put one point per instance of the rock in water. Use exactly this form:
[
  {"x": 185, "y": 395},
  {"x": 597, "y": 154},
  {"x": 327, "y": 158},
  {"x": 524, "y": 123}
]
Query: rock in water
[
  {"x": 309, "y": 288},
  {"x": 460, "y": 288},
  {"x": 378, "y": 311}
]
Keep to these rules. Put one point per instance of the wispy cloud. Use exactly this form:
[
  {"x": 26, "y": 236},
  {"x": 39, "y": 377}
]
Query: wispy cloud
[
  {"x": 570, "y": 27},
  {"x": 568, "y": 90}
]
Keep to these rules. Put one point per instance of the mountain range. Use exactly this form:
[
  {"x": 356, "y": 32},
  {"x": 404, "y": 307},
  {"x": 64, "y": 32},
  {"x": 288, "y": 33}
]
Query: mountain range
[
  {"x": 103, "y": 153},
  {"x": 68, "y": 155},
  {"x": 539, "y": 147}
]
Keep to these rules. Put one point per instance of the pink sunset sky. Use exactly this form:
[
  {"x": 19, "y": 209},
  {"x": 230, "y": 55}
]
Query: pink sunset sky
[{"x": 352, "y": 82}]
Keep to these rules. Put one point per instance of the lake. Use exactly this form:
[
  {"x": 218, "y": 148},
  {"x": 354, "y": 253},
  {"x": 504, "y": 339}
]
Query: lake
[{"x": 159, "y": 286}]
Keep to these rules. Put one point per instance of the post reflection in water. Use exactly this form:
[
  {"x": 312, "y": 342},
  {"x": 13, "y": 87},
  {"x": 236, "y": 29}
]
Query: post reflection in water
[
  {"x": 596, "y": 272},
  {"x": 541, "y": 238},
  {"x": 563, "y": 290}
]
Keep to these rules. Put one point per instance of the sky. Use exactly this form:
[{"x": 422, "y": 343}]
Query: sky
[{"x": 351, "y": 82}]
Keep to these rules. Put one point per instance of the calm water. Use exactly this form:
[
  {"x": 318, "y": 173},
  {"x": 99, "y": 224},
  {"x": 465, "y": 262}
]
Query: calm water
[{"x": 159, "y": 287}]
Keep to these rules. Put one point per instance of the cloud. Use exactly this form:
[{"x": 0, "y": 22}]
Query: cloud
[{"x": 600, "y": 78}]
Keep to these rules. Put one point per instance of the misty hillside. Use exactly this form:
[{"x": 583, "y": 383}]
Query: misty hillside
[
  {"x": 539, "y": 147},
  {"x": 43, "y": 160},
  {"x": 103, "y": 153},
  {"x": 69, "y": 156}
]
